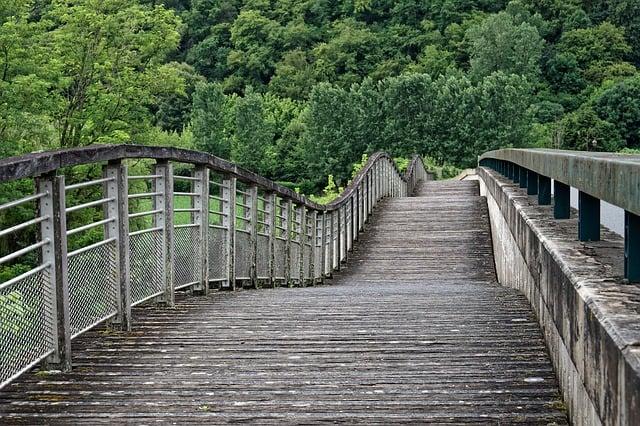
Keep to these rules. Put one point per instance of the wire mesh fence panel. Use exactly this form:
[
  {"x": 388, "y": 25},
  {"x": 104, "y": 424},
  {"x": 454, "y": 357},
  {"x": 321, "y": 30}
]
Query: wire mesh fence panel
[
  {"x": 146, "y": 269},
  {"x": 217, "y": 254},
  {"x": 295, "y": 260},
  {"x": 26, "y": 319},
  {"x": 186, "y": 256},
  {"x": 92, "y": 286},
  {"x": 262, "y": 258},
  {"x": 280, "y": 253},
  {"x": 243, "y": 255}
]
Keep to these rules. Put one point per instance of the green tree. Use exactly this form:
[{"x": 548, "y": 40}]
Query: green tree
[
  {"x": 584, "y": 130},
  {"x": 620, "y": 106},
  {"x": 107, "y": 56},
  {"x": 212, "y": 120},
  {"x": 497, "y": 44},
  {"x": 253, "y": 136},
  {"x": 256, "y": 42}
]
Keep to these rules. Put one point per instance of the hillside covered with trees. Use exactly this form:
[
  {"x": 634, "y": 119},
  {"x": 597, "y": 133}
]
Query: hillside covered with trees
[{"x": 299, "y": 89}]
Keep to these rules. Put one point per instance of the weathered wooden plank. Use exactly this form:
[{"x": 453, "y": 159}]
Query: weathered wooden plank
[{"x": 415, "y": 329}]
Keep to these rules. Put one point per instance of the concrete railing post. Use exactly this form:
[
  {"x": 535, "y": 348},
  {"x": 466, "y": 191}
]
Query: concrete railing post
[
  {"x": 164, "y": 219},
  {"x": 117, "y": 189},
  {"x": 54, "y": 230}
]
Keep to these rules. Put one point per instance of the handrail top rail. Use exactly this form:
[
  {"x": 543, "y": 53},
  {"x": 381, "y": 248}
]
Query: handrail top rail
[
  {"x": 40, "y": 163},
  {"x": 611, "y": 177}
]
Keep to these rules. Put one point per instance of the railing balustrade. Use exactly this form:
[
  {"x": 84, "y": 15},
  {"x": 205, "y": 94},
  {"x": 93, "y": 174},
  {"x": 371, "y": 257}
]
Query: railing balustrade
[
  {"x": 193, "y": 221},
  {"x": 614, "y": 178}
]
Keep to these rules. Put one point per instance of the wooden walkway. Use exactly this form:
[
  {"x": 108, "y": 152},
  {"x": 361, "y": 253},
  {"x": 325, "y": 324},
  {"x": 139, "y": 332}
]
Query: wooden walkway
[{"x": 414, "y": 329}]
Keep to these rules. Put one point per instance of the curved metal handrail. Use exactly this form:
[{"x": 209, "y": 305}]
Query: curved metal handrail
[{"x": 40, "y": 163}]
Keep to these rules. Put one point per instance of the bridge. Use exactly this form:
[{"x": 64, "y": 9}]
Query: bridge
[{"x": 207, "y": 293}]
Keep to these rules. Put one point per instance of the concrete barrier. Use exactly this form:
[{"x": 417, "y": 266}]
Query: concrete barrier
[{"x": 589, "y": 317}]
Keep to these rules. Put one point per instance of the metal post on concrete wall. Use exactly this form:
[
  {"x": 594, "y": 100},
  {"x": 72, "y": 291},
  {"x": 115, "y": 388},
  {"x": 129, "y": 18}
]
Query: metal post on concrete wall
[
  {"x": 532, "y": 182},
  {"x": 631, "y": 247},
  {"x": 53, "y": 230},
  {"x": 561, "y": 200},
  {"x": 544, "y": 190},
  {"x": 200, "y": 216},
  {"x": 524, "y": 173},
  {"x": 588, "y": 217},
  {"x": 229, "y": 222},
  {"x": 164, "y": 203},
  {"x": 117, "y": 189}
]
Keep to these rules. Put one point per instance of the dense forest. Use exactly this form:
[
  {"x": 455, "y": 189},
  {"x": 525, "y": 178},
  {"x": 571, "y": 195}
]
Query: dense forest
[{"x": 299, "y": 89}]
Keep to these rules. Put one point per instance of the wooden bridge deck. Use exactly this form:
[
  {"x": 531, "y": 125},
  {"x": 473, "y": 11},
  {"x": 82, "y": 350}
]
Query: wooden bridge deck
[{"x": 414, "y": 329}]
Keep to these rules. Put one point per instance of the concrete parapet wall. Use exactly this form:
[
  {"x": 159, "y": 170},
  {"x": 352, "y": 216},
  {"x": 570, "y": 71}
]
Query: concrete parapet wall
[{"x": 590, "y": 319}]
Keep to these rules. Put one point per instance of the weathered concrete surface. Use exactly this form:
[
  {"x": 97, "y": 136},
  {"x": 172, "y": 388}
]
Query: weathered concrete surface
[
  {"x": 415, "y": 329},
  {"x": 591, "y": 320},
  {"x": 607, "y": 176}
]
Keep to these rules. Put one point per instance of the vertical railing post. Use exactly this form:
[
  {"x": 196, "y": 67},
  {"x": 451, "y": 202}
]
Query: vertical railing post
[
  {"x": 631, "y": 247},
  {"x": 117, "y": 210},
  {"x": 54, "y": 230},
  {"x": 323, "y": 246},
  {"x": 344, "y": 233},
  {"x": 314, "y": 247},
  {"x": 361, "y": 198},
  {"x": 523, "y": 177},
  {"x": 349, "y": 224},
  {"x": 229, "y": 222},
  {"x": 201, "y": 218},
  {"x": 375, "y": 183},
  {"x": 356, "y": 212},
  {"x": 331, "y": 235},
  {"x": 164, "y": 203},
  {"x": 289, "y": 228},
  {"x": 532, "y": 183},
  {"x": 544, "y": 190},
  {"x": 588, "y": 217},
  {"x": 339, "y": 225},
  {"x": 303, "y": 238},
  {"x": 561, "y": 200},
  {"x": 253, "y": 236},
  {"x": 516, "y": 174},
  {"x": 271, "y": 208},
  {"x": 365, "y": 185}
]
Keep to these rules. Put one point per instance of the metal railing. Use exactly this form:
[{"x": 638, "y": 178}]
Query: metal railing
[
  {"x": 614, "y": 178},
  {"x": 209, "y": 225}
]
